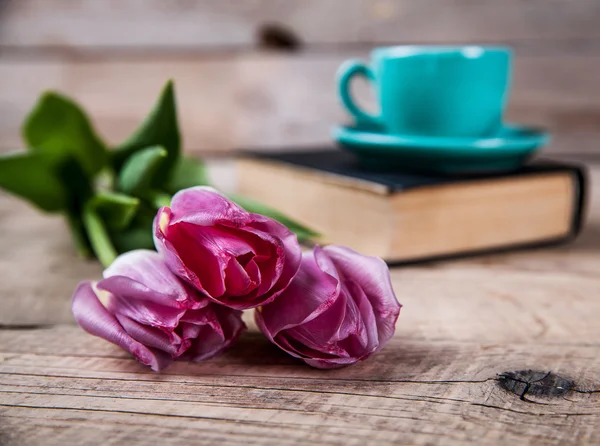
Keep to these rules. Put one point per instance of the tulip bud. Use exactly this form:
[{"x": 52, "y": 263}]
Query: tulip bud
[
  {"x": 142, "y": 307},
  {"x": 236, "y": 258},
  {"x": 339, "y": 309}
]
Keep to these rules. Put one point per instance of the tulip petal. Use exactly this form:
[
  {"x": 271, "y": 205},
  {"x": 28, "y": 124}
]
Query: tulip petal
[
  {"x": 204, "y": 206},
  {"x": 292, "y": 254},
  {"x": 368, "y": 338},
  {"x": 372, "y": 275},
  {"x": 149, "y": 336},
  {"x": 222, "y": 330},
  {"x": 142, "y": 274},
  {"x": 310, "y": 294},
  {"x": 297, "y": 349},
  {"x": 221, "y": 240},
  {"x": 339, "y": 332},
  {"x": 237, "y": 280},
  {"x": 352, "y": 327},
  {"x": 189, "y": 331},
  {"x": 166, "y": 249},
  {"x": 321, "y": 333},
  {"x": 253, "y": 272},
  {"x": 94, "y": 318},
  {"x": 203, "y": 267},
  {"x": 144, "y": 312},
  {"x": 269, "y": 257},
  {"x": 325, "y": 263}
]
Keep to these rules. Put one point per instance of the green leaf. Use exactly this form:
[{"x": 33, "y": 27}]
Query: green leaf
[
  {"x": 59, "y": 127},
  {"x": 160, "y": 128},
  {"x": 187, "y": 172},
  {"x": 116, "y": 210},
  {"x": 32, "y": 176},
  {"x": 139, "y": 169},
  {"x": 303, "y": 233}
]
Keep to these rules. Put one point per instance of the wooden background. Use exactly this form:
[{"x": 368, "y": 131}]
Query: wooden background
[{"x": 113, "y": 56}]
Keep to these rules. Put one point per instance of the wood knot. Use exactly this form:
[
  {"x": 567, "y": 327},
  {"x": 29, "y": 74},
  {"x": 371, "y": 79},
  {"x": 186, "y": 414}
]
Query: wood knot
[{"x": 535, "y": 383}]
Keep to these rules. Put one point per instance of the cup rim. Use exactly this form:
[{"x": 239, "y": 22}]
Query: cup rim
[{"x": 468, "y": 51}]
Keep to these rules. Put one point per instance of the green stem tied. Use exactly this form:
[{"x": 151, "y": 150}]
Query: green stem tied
[{"x": 98, "y": 236}]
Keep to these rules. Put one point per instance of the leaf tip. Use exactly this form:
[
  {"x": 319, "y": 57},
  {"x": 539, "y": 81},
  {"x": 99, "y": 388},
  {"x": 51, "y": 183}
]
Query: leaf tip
[
  {"x": 54, "y": 96},
  {"x": 168, "y": 89}
]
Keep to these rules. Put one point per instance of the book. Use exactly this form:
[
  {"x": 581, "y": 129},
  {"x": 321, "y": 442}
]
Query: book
[{"x": 407, "y": 217}]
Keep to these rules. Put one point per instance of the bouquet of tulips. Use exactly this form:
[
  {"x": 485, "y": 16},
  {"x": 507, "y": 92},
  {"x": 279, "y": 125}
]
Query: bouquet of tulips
[{"x": 215, "y": 255}]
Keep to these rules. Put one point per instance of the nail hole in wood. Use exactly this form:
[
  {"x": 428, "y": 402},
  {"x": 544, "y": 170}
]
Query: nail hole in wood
[{"x": 277, "y": 37}]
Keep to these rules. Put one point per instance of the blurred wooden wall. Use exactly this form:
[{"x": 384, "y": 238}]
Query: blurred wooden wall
[{"x": 114, "y": 55}]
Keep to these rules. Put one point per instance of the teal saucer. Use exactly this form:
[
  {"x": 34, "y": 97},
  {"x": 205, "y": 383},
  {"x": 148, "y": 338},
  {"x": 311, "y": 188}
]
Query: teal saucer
[{"x": 508, "y": 150}]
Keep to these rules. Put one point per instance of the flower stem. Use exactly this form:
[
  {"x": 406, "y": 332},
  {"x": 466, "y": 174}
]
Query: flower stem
[
  {"x": 99, "y": 238},
  {"x": 78, "y": 234}
]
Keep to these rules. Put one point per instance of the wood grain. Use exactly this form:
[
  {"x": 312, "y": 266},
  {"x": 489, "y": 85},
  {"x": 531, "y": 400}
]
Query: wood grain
[
  {"x": 270, "y": 101},
  {"x": 201, "y": 24},
  {"x": 414, "y": 392}
]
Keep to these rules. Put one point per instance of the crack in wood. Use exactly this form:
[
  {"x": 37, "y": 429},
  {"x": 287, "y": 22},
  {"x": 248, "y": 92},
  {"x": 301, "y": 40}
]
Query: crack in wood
[
  {"x": 283, "y": 435},
  {"x": 268, "y": 389},
  {"x": 588, "y": 392},
  {"x": 20, "y": 327},
  {"x": 298, "y": 426},
  {"x": 299, "y": 378}
]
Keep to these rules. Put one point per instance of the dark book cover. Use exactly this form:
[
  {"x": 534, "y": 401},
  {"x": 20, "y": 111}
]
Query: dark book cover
[{"x": 342, "y": 163}]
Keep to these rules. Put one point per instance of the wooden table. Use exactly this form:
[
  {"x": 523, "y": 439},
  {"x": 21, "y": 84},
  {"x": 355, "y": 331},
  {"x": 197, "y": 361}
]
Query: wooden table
[{"x": 465, "y": 326}]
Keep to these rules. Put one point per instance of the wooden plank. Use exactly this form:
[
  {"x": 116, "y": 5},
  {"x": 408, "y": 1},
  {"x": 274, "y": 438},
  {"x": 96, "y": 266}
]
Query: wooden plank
[
  {"x": 38, "y": 266},
  {"x": 269, "y": 101},
  {"x": 413, "y": 392},
  {"x": 84, "y": 24}
]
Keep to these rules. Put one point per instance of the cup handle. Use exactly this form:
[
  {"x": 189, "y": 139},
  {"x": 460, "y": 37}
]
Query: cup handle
[{"x": 345, "y": 73}]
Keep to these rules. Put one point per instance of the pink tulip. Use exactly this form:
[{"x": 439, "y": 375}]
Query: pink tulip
[
  {"x": 339, "y": 309},
  {"x": 236, "y": 258},
  {"x": 142, "y": 307}
]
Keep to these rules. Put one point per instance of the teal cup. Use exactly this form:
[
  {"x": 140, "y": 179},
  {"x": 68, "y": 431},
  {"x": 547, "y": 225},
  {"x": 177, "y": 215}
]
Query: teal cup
[{"x": 432, "y": 90}]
